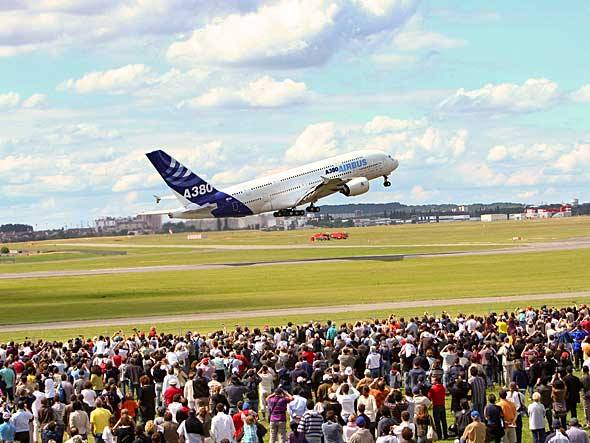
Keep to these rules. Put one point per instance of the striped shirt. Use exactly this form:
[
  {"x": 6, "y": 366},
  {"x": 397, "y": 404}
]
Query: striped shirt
[
  {"x": 478, "y": 390},
  {"x": 311, "y": 424}
]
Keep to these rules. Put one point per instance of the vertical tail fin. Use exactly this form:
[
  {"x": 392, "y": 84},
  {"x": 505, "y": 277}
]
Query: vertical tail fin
[{"x": 187, "y": 186}]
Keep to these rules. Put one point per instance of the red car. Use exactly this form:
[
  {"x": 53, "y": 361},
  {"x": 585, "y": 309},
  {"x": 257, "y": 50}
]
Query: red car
[
  {"x": 339, "y": 235},
  {"x": 321, "y": 236}
]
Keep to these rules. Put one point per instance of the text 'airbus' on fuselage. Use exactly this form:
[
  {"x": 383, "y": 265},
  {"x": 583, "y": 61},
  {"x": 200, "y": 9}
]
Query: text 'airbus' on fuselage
[{"x": 280, "y": 193}]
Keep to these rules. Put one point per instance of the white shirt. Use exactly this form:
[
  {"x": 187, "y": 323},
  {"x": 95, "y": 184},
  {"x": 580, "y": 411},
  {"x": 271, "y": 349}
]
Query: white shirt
[
  {"x": 536, "y": 412},
  {"x": 21, "y": 420},
  {"x": 347, "y": 401},
  {"x": 107, "y": 435},
  {"x": 188, "y": 438},
  {"x": 37, "y": 403},
  {"x": 89, "y": 397},
  {"x": 373, "y": 361},
  {"x": 49, "y": 387},
  {"x": 222, "y": 426}
]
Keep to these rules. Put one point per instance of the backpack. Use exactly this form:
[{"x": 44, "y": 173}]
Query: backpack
[{"x": 62, "y": 394}]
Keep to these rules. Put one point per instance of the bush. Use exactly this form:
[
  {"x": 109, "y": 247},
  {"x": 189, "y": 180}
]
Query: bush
[{"x": 4, "y": 250}]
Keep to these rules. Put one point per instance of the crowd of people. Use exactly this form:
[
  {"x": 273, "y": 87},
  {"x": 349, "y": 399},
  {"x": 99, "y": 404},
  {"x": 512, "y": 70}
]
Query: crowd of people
[{"x": 500, "y": 377}]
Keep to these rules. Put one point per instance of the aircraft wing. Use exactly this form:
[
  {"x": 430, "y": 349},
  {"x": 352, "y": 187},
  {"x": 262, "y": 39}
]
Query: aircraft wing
[{"x": 327, "y": 187}]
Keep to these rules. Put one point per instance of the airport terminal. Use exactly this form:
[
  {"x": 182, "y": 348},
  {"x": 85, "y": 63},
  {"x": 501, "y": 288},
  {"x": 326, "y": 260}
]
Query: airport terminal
[{"x": 294, "y": 221}]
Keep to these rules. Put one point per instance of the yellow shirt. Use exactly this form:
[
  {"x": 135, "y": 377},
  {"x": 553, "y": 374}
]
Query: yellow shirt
[
  {"x": 475, "y": 432},
  {"x": 502, "y": 327},
  {"x": 97, "y": 383},
  {"x": 99, "y": 418}
]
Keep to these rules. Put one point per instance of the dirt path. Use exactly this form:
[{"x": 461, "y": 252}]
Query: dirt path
[{"x": 312, "y": 311}]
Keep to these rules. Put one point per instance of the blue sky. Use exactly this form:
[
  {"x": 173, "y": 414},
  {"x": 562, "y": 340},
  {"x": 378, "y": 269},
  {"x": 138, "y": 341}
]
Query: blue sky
[{"x": 480, "y": 101}]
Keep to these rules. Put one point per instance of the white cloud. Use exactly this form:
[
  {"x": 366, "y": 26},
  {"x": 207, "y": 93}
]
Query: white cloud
[
  {"x": 383, "y": 123},
  {"x": 290, "y": 33},
  {"x": 526, "y": 195},
  {"x": 533, "y": 95},
  {"x": 413, "y": 37},
  {"x": 393, "y": 59},
  {"x": 316, "y": 141},
  {"x": 9, "y": 100},
  {"x": 497, "y": 153},
  {"x": 581, "y": 95},
  {"x": 114, "y": 81},
  {"x": 31, "y": 25},
  {"x": 525, "y": 177},
  {"x": 263, "y": 92},
  {"x": 458, "y": 142},
  {"x": 577, "y": 158},
  {"x": 419, "y": 194},
  {"x": 35, "y": 101},
  {"x": 479, "y": 174}
]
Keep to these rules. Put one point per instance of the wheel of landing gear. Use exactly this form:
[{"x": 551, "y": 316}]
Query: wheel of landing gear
[
  {"x": 387, "y": 184},
  {"x": 276, "y": 214}
]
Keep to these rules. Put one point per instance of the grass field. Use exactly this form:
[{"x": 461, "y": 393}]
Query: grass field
[
  {"x": 311, "y": 284},
  {"x": 81, "y": 254},
  {"x": 110, "y": 296}
]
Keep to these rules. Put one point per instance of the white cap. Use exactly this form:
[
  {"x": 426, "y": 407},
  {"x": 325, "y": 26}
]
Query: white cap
[{"x": 348, "y": 371}]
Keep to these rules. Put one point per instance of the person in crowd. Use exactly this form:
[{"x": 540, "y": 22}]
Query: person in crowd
[
  {"x": 391, "y": 373},
  {"x": 476, "y": 431}
]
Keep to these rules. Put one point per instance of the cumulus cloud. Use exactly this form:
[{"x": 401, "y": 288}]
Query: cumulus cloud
[
  {"x": 35, "y": 101},
  {"x": 577, "y": 158},
  {"x": 383, "y": 123},
  {"x": 290, "y": 33},
  {"x": 115, "y": 81},
  {"x": 9, "y": 100},
  {"x": 525, "y": 153},
  {"x": 414, "y": 37},
  {"x": 263, "y": 92},
  {"x": 419, "y": 194},
  {"x": 319, "y": 140},
  {"x": 581, "y": 95},
  {"x": 534, "y": 94},
  {"x": 12, "y": 100},
  {"x": 30, "y": 25}
]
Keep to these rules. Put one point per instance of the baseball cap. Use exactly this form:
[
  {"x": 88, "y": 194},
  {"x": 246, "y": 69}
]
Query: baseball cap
[
  {"x": 6, "y": 415},
  {"x": 360, "y": 421},
  {"x": 475, "y": 414}
]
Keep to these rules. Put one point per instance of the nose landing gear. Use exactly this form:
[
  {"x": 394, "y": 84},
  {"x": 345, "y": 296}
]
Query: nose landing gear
[{"x": 386, "y": 182}]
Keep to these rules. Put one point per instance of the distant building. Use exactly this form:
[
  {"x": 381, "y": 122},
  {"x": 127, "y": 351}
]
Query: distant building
[
  {"x": 493, "y": 217},
  {"x": 141, "y": 224}
]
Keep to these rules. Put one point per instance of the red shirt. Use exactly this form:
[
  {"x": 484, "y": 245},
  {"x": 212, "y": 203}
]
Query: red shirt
[
  {"x": 437, "y": 395},
  {"x": 117, "y": 360},
  {"x": 238, "y": 419},
  {"x": 309, "y": 356},
  {"x": 170, "y": 393}
]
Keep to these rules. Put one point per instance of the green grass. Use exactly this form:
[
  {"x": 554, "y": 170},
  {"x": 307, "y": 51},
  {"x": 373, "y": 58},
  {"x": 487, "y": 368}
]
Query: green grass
[
  {"x": 254, "y": 322},
  {"x": 401, "y": 239},
  {"x": 317, "y": 284},
  {"x": 465, "y": 232},
  {"x": 154, "y": 257}
]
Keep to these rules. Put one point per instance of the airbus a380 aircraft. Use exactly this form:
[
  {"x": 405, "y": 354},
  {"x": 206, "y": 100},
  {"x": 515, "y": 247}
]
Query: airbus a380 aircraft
[{"x": 282, "y": 193}]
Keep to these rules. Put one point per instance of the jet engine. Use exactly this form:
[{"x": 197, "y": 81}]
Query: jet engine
[{"x": 356, "y": 186}]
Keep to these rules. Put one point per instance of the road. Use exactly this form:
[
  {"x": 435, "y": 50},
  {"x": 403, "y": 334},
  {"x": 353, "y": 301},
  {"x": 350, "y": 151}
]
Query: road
[
  {"x": 312, "y": 311},
  {"x": 527, "y": 248}
]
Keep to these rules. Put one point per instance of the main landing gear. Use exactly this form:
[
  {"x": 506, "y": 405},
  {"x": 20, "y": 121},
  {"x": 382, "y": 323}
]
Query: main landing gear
[
  {"x": 312, "y": 208},
  {"x": 291, "y": 212},
  {"x": 386, "y": 182}
]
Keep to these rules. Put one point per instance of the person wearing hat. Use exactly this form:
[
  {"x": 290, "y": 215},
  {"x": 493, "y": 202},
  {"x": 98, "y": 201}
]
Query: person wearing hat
[
  {"x": 362, "y": 434},
  {"x": 7, "y": 429},
  {"x": 475, "y": 432},
  {"x": 171, "y": 391}
]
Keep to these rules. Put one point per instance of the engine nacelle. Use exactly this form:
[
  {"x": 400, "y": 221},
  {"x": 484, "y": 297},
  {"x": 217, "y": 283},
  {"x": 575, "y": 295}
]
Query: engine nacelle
[{"x": 356, "y": 186}]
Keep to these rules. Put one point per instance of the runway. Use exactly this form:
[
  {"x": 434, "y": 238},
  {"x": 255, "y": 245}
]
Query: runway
[
  {"x": 312, "y": 311},
  {"x": 526, "y": 248}
]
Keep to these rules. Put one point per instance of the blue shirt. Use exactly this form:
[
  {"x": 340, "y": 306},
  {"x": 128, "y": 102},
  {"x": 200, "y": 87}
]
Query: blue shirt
[{"x": 7, "y": 431}]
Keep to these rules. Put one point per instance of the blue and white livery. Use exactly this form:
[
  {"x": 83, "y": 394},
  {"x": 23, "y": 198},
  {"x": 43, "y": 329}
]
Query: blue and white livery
[{"x": 281, "y": 193}]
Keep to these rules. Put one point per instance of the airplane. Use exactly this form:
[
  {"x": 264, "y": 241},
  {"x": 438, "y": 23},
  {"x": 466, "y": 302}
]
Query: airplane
[{"x": 281, "y": 193}]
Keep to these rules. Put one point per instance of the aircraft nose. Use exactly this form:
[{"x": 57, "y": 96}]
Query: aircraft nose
[{"x": 395, "y": 164}]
